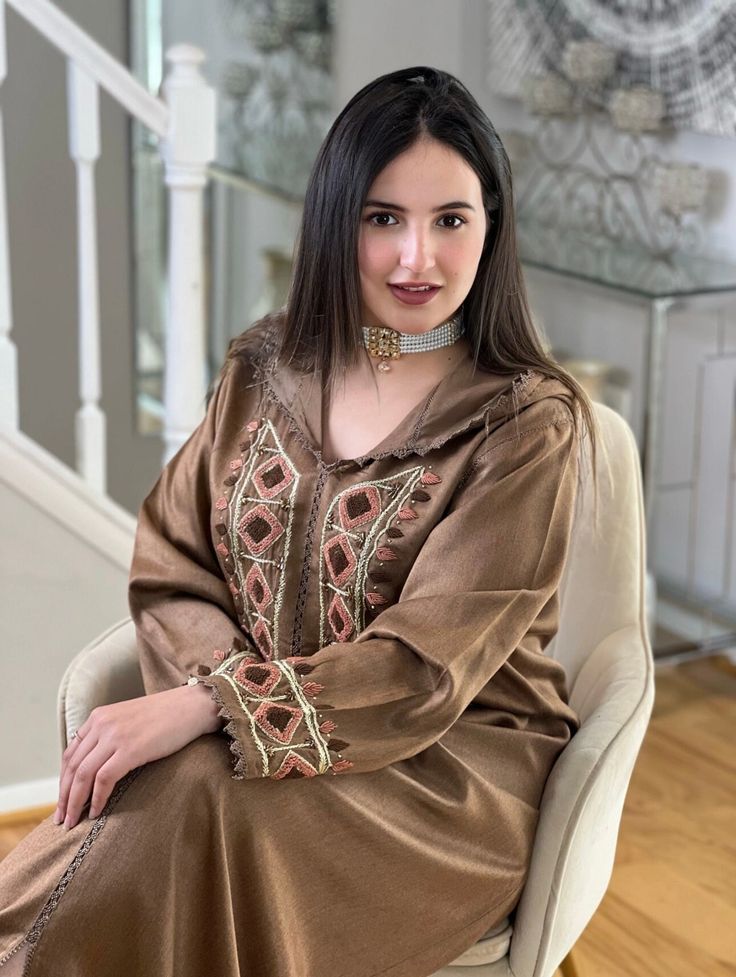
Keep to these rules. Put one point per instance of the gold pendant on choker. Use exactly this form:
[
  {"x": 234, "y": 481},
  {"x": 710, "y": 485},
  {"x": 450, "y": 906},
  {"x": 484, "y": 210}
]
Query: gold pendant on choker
[
  {"x": 383, "y": 341},
  {"x": 388, "y": 344}
]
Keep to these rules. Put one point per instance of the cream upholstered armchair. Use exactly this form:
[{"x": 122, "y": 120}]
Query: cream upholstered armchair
[{"x": 604, "y": 646}]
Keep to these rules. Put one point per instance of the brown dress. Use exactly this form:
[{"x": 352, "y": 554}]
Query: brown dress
[{"x": 374, "y": 631}]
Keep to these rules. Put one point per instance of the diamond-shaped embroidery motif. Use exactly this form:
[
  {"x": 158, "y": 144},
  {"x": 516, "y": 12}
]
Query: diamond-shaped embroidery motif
[
  {"x": 359, "y": 506},
  {"x": 256, "y": 587},
  {"x": 262, "y": 639},
  {"x": 257, "y": 677},
  {"x": 278, "y": 720},
  {"x": 340, "y": 619},
  {"x": 340, "y": 559},
  {"x": 272, "y": 477},
  {"x": 259, "y": 528},
  {"x": 295, "y": 766}
]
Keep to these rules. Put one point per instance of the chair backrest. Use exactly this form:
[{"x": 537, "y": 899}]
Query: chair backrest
[{"x": 603, "y": 643}]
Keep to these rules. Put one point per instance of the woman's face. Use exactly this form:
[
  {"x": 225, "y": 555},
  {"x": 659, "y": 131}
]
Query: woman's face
[{"x": 408, "y": 233}]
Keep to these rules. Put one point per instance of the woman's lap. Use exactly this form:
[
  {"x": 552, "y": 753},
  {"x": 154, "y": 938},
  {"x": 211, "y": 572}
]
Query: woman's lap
[{"x": 191, "y": 871}]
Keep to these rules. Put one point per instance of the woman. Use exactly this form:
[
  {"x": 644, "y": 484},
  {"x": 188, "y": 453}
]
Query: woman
[{"x": 347, "y": 576}]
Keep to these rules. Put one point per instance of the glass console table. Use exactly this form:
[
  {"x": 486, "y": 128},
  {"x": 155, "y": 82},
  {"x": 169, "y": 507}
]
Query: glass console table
[{"x": 691, "y": 521}]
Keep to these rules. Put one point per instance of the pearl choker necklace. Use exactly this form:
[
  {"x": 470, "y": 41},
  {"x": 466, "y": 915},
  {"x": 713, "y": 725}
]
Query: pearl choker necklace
[{"x": 387, "y": 343}]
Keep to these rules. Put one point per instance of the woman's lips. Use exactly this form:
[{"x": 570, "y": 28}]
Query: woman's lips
[{"x": 413, "y": 297}]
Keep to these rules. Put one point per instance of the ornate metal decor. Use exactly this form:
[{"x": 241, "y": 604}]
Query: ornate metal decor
[
  {"x": 590, "y": 163},
  {"x": 685, "y": 49},
  {"x": 595, "y": 171}
]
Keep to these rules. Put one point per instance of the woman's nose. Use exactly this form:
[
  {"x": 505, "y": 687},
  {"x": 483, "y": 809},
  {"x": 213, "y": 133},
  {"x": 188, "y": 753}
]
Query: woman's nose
[{"x": 416, "y": 251}]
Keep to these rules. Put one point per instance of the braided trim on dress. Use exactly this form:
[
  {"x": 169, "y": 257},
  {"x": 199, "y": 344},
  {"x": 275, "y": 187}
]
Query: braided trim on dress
[
  {"x": 301, "y": 597},
  {"x": 34, "y": 934}
]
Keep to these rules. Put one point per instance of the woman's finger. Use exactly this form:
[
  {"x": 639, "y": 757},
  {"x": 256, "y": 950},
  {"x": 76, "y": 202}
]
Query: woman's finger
[
  {"x": 82, "y": 750},
  {"x": 82, "y": 784},
  {"x": 107, "y": 776},
  {"x": 69, "y": 752}
]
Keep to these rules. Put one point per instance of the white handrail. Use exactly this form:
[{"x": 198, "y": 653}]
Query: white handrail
[{"x": 109, "y": 74}]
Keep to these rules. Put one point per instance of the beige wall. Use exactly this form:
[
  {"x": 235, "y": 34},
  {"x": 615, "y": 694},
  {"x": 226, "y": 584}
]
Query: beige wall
[{"x": 41, "y": 187}]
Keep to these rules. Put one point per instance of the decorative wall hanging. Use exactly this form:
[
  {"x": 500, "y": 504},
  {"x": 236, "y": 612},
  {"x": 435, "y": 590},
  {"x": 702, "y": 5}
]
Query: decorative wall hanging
[
  {"x": 589, "y": 163},
  {"x": 684, "y": 49}
]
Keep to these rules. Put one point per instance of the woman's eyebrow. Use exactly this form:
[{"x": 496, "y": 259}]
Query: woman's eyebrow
[{"x": 453, "y": 205}]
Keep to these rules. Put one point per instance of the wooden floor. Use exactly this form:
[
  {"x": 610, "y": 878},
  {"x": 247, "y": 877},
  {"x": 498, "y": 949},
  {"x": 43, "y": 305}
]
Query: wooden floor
[{"x": 670, "y": 909}]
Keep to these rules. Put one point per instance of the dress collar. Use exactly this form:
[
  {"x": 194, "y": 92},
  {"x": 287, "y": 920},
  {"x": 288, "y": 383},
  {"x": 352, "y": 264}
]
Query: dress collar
[{"x": 463, "y": 399}]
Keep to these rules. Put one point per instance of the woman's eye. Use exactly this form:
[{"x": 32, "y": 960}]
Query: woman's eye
[
  {"x": 454, "y": 217},
  {"x": 373, "y": 217}
]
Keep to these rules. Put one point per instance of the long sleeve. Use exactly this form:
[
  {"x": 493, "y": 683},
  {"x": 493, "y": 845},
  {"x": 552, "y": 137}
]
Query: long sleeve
[
  {"x": 485, "y": 579},
  {"x": 180, "y": 603}
]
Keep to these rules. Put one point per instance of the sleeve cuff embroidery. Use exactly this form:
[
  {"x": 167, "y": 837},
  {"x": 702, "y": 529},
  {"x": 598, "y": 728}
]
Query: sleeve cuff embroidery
[{"x": 276, "y": 728}]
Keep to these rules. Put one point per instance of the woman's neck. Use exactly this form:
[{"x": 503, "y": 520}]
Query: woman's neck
[{"x": 429, "y": 366}]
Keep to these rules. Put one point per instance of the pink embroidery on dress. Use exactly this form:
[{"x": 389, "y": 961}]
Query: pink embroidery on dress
[
  {"x": 272, "y": 477},
  {"x": 258, "y": 678},
  {"x": 262, "y": 639},
  {"x": 278, "y": 720},
  {"x": 259, "y": 529},
  {"x": 352, "y": 558},
  {"x": 250, "y": 531},
  {"x": 358, "y": 506},
  {"x": 295, "y": 765},
  {"x": 340, "y": 559},
  {"x": 340, "y": 619}
]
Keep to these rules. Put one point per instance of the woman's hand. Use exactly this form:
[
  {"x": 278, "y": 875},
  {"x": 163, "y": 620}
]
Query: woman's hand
[{"x": 118, "y": 737}]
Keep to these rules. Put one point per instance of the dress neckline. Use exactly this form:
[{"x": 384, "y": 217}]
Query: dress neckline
[
  {"x": 397, "y": 434},
  {"x": 466, "y": 397}
]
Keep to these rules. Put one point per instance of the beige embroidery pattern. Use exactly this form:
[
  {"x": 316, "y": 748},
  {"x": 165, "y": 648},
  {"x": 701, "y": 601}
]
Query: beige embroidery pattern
[
  {"x": 361, "y": 533},
  {"x": 256, "y": 535},
  {"x": 290, "y": 734}
]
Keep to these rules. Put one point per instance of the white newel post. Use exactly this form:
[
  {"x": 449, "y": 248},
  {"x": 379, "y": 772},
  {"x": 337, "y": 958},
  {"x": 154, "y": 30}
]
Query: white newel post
[
  {"x": 186, "y": 150},
  {"x": 84, "y": 149},
  {"x": 8, "y": 352}
]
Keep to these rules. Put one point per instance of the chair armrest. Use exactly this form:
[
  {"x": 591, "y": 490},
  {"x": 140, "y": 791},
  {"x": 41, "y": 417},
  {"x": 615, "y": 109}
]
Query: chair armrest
[
  {"x": 582, "y": 803},
  {"x": 106, "y": 670}
]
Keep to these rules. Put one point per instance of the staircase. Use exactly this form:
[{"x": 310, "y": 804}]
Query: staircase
[{"x": 65, "y": 544}]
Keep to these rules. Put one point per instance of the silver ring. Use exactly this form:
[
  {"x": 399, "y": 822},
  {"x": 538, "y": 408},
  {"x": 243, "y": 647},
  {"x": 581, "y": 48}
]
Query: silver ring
[{"x": 75, "y": 734}]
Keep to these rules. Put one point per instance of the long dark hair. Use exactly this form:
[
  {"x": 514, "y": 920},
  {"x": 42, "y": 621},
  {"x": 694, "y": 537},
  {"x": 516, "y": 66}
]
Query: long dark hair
[{"x": 322, "y": 327}]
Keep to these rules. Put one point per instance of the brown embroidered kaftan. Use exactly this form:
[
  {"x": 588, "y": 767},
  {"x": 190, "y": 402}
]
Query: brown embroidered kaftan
[{"x": 374, "y": 632}]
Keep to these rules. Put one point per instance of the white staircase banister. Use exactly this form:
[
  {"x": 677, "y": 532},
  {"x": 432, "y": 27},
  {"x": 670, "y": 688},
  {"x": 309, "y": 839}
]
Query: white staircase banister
[
  {"x": 109, "y": 74},
  {"x": 84, "y": 149},
  {"x": 185, "y": 121}
]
